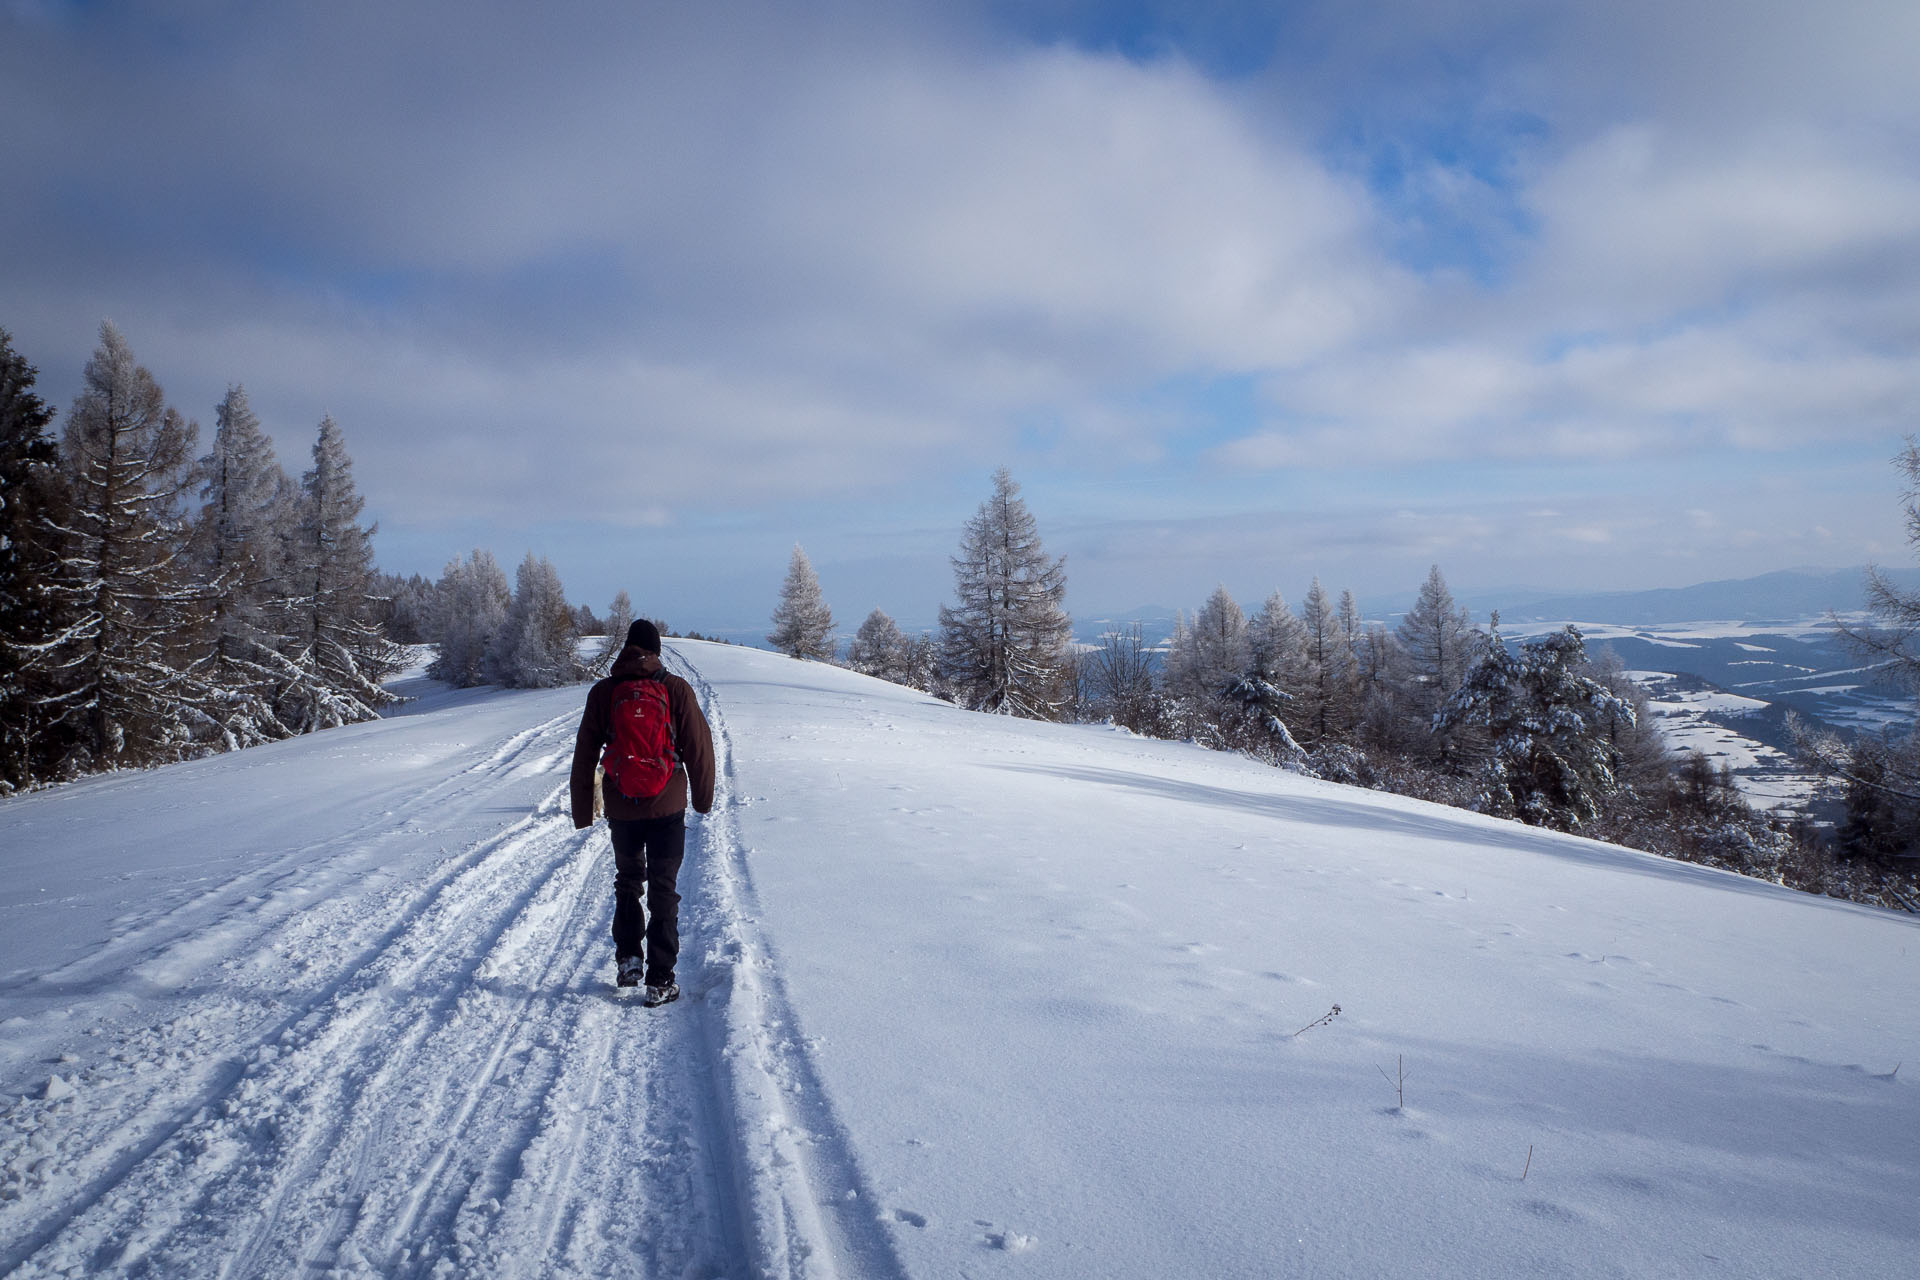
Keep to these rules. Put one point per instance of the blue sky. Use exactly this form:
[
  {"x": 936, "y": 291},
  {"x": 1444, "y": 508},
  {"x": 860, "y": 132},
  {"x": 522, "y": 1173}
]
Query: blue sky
[{"x": 1579, "y": 295}]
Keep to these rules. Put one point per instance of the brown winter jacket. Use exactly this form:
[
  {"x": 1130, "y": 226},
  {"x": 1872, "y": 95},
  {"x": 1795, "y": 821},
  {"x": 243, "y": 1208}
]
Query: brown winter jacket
[{"x": 692, "y": 742}]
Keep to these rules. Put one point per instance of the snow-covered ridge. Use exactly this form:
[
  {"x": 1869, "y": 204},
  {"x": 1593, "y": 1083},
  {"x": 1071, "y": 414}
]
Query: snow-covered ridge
[{"x": 965, "y": 995}]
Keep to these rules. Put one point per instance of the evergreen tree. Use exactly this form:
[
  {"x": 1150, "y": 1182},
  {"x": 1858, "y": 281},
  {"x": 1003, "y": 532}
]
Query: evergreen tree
[
  {"x": 126, "y": 693},
  {"x": 473, "y": 606},
  {"x": 1631, "y": 730},
  {"x": 35, "y": 615},
  {"x": 339, "y": 649},
  {"x": 619, "y": 618},
  {"x": 1003, "y": 643},
  {"x": 536, "y": 646},
  {"x": 238, "y": 541},
  {"x": 879, "y": 648},
  {"x": 1438, "y": 643},
  {"x": 802, "y": 623},
  {"x": 1550, "y": 763}
]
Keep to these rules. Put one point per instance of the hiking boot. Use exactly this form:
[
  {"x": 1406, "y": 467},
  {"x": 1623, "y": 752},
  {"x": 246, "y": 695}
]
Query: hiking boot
[
  {"x": 631, "y": 969},
  {"x": 662, "y": 995}
]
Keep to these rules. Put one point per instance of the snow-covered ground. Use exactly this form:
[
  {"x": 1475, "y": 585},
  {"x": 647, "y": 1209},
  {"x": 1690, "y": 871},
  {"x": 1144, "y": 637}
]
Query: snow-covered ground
[
  {"x": 965, "y": 996},
  {"x": 1766, "y": 777}
]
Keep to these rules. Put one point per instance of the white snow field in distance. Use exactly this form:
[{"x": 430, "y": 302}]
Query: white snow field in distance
[{"x": 965, "y": 995}]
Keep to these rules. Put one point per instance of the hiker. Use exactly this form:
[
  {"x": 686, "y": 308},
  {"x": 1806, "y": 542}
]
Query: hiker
[{"x": 655, "y": 743}]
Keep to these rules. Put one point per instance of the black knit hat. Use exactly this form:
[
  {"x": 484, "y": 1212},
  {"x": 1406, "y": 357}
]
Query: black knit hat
[{"x": 645, "y": 635}]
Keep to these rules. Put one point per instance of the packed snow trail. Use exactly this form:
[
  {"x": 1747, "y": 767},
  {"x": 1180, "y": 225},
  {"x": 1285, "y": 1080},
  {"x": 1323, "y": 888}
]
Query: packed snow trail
[{"x": 348, "y": 1058}]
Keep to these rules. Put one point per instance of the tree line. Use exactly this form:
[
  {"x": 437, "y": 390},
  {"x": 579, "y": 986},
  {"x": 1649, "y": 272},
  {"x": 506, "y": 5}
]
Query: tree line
[
  {"x": 157, "y": 603},
  {"x": 1540, "y": 731},
  {"x": 523, "y": 636}
]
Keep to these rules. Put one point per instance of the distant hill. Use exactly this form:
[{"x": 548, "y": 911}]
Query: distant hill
[{"x": 1789, "y": 595}]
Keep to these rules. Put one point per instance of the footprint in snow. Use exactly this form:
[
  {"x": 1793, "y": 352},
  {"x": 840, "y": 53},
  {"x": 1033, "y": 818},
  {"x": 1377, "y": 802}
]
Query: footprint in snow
[{"x": 909, "y": 1217}]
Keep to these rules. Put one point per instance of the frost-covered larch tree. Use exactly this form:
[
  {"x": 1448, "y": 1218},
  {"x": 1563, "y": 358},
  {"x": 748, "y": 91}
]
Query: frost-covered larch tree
[
  {"x": 535, "y": 648},
  {"x": 243, "y": 530},
  {"x": 1549, "y": 760},
  {"x": 473, "y": 599},
  {"x": 1003, "y": 644},
  {"x": 340, "y": 650},
  {"x": 1277, "y": 645},
  {"x": 122, "y": 666},
  {"x": 1322, "y": 710},
  {"x": 1438, "y": 644},
  {"x": 34, "y": 614},
  {"x": 1211, "y": 652},
  {"x": 879, "y": 648},
  {"x": 802, "y": 622}
]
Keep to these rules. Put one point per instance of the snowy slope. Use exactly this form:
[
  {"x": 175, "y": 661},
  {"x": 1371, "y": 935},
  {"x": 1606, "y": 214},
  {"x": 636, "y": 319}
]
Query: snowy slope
[{"x": 965, "y": 996}]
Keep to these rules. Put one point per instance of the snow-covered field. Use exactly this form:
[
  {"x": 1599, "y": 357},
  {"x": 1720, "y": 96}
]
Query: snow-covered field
[
  {"x": 966, "y": 996},
  {"x": 1766, "y": 777}
]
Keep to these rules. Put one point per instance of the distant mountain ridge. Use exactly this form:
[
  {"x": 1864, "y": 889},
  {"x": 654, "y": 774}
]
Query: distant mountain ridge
[
  {"x": 1787, "y": 595},
  {"x": 1783, "y": 596}
]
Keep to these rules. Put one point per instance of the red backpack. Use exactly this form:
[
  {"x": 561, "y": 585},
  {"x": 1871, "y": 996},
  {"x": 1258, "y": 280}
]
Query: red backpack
[{"x": 640, "y": 757}]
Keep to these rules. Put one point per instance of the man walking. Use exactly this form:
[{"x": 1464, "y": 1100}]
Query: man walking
[{"x": 644, "y": 725}]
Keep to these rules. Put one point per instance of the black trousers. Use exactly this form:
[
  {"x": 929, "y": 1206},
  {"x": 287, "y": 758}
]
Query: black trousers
[{"x": 646, "y": 865}]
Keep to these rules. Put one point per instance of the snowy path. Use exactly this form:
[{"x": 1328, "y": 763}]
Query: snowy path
[
  {"x": 965, "y": 995},
  {"x": 341, "y": 1062}
]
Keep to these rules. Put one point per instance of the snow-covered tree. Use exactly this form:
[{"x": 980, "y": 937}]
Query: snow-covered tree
[
  {"x": 337, "y": 644},
  {"x": 879, "y": 648},
  {"x": 34, "y": 613},
  {"x": 619, "y": 618},
  {"x": 1003, "y": 644},
  {"x": 1255, "y": 720},
  {"x": 1437, "y": 644},
  {"x": 1549, "y": 760},
  {"x": 1278, "y": 646},
  {"x": 535, "y": 647},
  {"x": 125, "y": 689},
  {"x": 1209, "y": 654},
  {"x": 1634, "y": 734},
  {"x": 238, "y": 541},
  {"x": 802, "y": 622},
  {"x": 473, "y": 605},
  {"x": 411, "y": 605},
  {"x": 1323, "y": 696}
]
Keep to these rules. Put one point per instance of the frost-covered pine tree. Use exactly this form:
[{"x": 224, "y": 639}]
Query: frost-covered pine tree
[
  {"x": 126, "y": 689},
  {"x": 535, "y": 647},
  {"x": 34, "y": 613},
  {"x": 1550, "y": 761},
  {"x": 338, "y": 647},
  {"x": 473, "y": 606},
  {"x": 619, "y": 618},
  {"x": 802, "y": 623},
  {"x": 238, "y": 542},
  {"x": 1003, "y": 644},
  {"x": 879, "y": 648}
]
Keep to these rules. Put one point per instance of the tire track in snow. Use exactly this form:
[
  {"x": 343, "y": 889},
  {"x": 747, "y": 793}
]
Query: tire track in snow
[
  {"x": 134, "y": 946},
  {"x": 810, "y": 1213},
  {"x": 167, "y": 1137}
]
